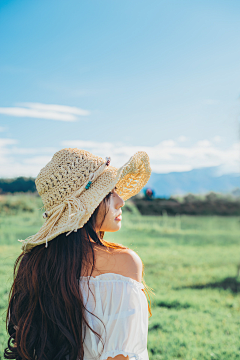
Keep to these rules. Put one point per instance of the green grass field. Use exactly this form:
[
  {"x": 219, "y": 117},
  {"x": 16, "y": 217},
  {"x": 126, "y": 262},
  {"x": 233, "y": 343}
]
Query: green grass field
[{"x": 191, "y": 265}]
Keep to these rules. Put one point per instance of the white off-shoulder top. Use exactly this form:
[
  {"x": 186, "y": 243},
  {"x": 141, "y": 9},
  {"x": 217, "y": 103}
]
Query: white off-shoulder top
[{"x": 121, "y": 305}]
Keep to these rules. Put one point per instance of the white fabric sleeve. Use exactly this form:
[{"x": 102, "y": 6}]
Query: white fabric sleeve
[{"x": 122, "y": 307}]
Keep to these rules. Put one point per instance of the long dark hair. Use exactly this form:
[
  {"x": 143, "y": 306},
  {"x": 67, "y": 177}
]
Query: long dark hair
[{"x": 45, "y": 314}]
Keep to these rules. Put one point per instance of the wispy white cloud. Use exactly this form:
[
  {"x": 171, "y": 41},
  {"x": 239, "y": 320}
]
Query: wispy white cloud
[
  {"x": 4, "y": 142},
  {"x": 15, "y": 150},
  {"x": 17, "y": 161},
  {"x": 168, "y": 143},
  {"x": 45, "y": 111},
  {"x": 40, "y": 161},
  {"x": 204, "y": 143},
  {"x": 182, "y": 138},
  {"x": 167, "y": 156},
  {"x": 217, "y": 139}
]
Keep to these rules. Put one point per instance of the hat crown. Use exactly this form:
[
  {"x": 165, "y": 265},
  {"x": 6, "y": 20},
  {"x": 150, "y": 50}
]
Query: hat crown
[{"x": 68, "y": 170}]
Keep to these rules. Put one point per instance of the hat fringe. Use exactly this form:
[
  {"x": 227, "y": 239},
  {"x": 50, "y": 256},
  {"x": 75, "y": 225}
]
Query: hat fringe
[{"x": 75, "y": 212}]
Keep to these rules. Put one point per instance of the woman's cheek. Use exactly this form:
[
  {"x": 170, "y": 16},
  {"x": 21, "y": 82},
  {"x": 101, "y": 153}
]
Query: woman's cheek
[
  {"x": 110, "y": 220},
  {"x": 110, "y": 224}
]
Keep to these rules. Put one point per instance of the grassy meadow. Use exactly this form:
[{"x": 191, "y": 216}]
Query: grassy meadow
[{"x": 190, "y": 263}]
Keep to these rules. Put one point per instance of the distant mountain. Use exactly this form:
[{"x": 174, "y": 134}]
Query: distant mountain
[{"x": 196, "y": 181}]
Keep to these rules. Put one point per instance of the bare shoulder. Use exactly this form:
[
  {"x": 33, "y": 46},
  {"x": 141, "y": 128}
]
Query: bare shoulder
[
  {"x": 131, "y": 264},
  {"x": 125, "y": 262}
]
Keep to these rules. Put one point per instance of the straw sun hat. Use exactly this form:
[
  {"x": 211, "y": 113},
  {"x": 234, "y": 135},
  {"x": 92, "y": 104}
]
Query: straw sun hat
[{"x": 74, "y": 183}]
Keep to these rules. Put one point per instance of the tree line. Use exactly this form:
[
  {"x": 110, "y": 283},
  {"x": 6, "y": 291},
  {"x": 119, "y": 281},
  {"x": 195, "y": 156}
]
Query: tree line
[
  {"x": 210, "y": 204},
  {"x": 20, "y": 184}
]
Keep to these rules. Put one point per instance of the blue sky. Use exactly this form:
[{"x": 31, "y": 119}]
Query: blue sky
[{"x": 114, "y": 77}]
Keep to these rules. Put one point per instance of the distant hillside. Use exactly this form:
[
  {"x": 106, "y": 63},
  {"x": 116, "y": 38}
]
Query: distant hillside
[{"x": 197, "y": 181}]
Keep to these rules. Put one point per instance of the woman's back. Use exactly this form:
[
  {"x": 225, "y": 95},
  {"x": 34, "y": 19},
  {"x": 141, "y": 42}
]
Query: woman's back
[{"x": 116, "y": 306}]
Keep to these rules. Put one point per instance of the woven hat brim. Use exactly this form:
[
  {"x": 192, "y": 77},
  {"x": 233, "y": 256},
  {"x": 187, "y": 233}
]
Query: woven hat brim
[{"x": 128, "y": 179}]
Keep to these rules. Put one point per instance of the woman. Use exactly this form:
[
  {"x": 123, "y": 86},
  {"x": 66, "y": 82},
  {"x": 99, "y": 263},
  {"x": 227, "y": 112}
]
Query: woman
[{"x": 75, "y": 295}]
